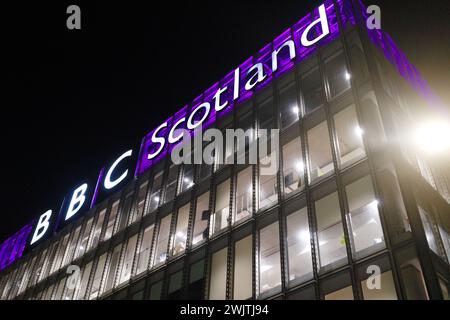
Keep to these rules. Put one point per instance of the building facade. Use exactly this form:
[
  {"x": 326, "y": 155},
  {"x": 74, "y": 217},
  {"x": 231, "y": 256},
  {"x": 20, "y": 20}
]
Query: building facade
[{"x": 351, "y": 198}]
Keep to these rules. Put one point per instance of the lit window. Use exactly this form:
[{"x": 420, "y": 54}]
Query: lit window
[
  {"x": 268, "y": 194},
  {"x": 349, "y": 135},
  {"x": 244, "y": 194},
  {"x": 156, "y": 192},
  {"x": 98, "y": 229},
  {"x": 140, "y": 208},
  {"x": 97, "y": 277},
  {"x": 337, "y": 74},
  {"x": 125, "y": 212},
  {"x": 201, "y": 219},
  {"x": 111, "y": 220},
  {"x": 171, "y": 187},
  {"x": 127, "y": 263},
  {"x": 180, "y": 236},
  {"x": 218, "y": 275},
  {"x": 113, "y": 266},
  {"x": 84, "y": 239},
  {"x": 163, "y": 240},
  {"x": 219, "y": 219},
  {"x": 329, "y": 230},
  {"x": 243, "y": 269},
  {"x": 320, "y": 159},
  {"x": 293, "y": 166},
  {"x": 188, "y": 177},
  {"x": 143, "y": 254},
  {"x": 288, "y": 105},
  {"x": 299, "y": 245},
  {"x": 269, "y": 258}
]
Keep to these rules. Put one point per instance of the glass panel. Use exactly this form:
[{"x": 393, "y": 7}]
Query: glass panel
[
  {"x": 174, "y": 291},
  {"x": 265, "y": 115},
  {"x": 320, "y": 159},
  {"x": 140, "y": 203},
  {"x": 244, "y": 193},
  {"x": 269, "y": 258},
  {"x": 127, "y": 263},
  {"x": 268, "y": 195},
  {"x": 428, "y": 227},
  {"x": 125, "y": 212},
  {"x": 188, "y": 177},
  {"x": 171, "y": 187},
  {"x": 155, "y": 291},
  {"x": 201, "y": 218},
  {"x": 293, "y": 166},
  {"x": 111, "y": 220},
  {"x": 364, "y": 220},
  {"x": 85, "y": 238},
  {"x": 72, "y": 246},
  {"x": 98, "y": 229},
  {"x": 98, "y": 277},
  {"x": 163, "y": 241},
  {"x": 330, "y": 231},
  {"x": 299, "y": 245},
  {"x": 312, "y": 90},
  {"x": 386, "y": 291},
  {"x": 218, "y": 280},
  {"x": 288, "y": 105},
  {"x": 156, "y": 192},
  {"x": 61, "y": 252},
  {"x": 337, "y": 74},
  {"x": 349, "y": 135},
  {"x": 179, "y": 239},
  {"x": 219, "y": 218},
  {"x": 196, "y": 281},
  {"x": 243, "y": 266},
  {"x": 145, "y": 249},
  {"x": 113, "y": 266}
]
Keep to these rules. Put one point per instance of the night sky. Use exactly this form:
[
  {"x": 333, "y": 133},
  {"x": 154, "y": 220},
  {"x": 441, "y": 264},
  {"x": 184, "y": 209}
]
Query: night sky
[{"x": 75, "y": 99}]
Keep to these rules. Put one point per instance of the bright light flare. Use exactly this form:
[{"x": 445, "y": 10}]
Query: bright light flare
[{"x": 433, "y": 137}]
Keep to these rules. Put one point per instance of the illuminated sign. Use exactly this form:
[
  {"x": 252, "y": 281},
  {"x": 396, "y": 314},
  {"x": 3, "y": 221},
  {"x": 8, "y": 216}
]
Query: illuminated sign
[{"x": 294, "y": 45}]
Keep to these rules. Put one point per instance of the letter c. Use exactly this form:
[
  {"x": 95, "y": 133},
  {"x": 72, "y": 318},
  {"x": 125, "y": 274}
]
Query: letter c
[{"x": 111, "y": 184}]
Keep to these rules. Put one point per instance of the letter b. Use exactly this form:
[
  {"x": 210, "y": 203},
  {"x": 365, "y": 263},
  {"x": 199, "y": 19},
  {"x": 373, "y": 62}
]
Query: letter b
[
  {"x": 42, "y": 226},
  {"x": 77, "y": 201}
]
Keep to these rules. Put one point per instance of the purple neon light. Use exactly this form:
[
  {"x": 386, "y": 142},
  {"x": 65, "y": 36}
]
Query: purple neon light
[{"x": 264, "y": 56}]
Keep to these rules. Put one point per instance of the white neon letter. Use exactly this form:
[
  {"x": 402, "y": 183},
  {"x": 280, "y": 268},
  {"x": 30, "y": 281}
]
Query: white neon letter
[
  {"x": 159, "y": 140},
  {"x": 111, "y": 184},
  {"x": 291, "y": 46},
  {"x": 77, "y": 201},
  {"x": 256, "y": 78},
  {"x": 173, "y": 139},
  {"x": 191, "y": 125},
  {"x": 325, "y": 29},
  {"x": 217, "y": 104},
  {"x": 42, "y": 226}
]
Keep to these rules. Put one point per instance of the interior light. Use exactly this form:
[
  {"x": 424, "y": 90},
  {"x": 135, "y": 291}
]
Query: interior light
[
  {"x": 433, "y": 137},
  {"x": 348, "y": 76},
  {"x": 295, "y": 110},
  {"x": 359, "y": 132},
  {"x": 266, "y": 267},
  {"x": 300, "y": 166}
]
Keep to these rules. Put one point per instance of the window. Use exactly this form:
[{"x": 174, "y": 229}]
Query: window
[
  {"x": 72, "y": 246},
  {"x": 201, "y": 219},
  {"x": 268, "y": 181},
  {"x": 299, "y": 245},
  {"x": 329, "y": 230},
  {"x": 84, "y": 239},
  {"x": 125, "y": 212},
  {"x": 269, "y": 258},
  {"x": 60, "y": 254},
  {"x": 430, "y": 231},
  {"x": 337, "y": 74},
  {"x": 244, "y": 194},
  {"x": 127, "y": 263},
  {"x": 60, "y": 289},
  {"x": 98, "y": 277},
  {"x": 288, "y": 105},
  {"x": 145, "y": 249},
  {"x": 349, "y": 136},
  {"x": 218, "y": 274},
  {"x": 265, "y": 114},
  {"x": 171, "y": 187},
  {"x": 111, "y": 220},
  {"x": 293, "y": 166},
  {"x": 188, "y": 177},
  {"x": 141, "y": 199},
  {"x": 155, "y": 291},
  {"x": 98, "y": 229},
  {"x": 245, "y": 122},
  {"x": 179, "y": 239},
  {"x": 219, "y": 218},
  {"x": 320, "y": 159},
  {"x": 156, "y": 192},
  {"x": 163, "y": 241},
  {"x": 386, "y": 291},
  {"x": 243, "y": 265},
  {"x": 80, "y": 290},
  {"x": 312, "y": 90},
  {"x": 175, "y": 291},
  {"x": 341, "y": 294},
  {"x": 364, "y": 220},
  {"x": 196, "y": 281},
  {"x": 112, "y": 269}
]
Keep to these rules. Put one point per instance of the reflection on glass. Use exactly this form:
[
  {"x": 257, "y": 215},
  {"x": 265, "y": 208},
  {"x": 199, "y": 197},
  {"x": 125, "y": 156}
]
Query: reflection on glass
[
  {"x": 127, "y": 263},
  {"x": 180, "y": 236},
  {"x": 349, "y": 135},
  {"x": 188, "y": 177},
  {"x": 269, "y": 258},
  {"x": 337, "y": 74},
  {"x": 98, "y": 229},
  {"x": 171, "y": 187},
  {"x": 218, "y": 275},
  {"x": 312, "y": 90},
  {"x": 162, "y": 242},
  {"x": 268, "y": 181},
  {"x": 156, "y": 192},
  {"x": 243, "y": 269},
  {"x": 321, "y": 161},
  {"x": 98, "y": 277},
  {"x": 145, "y": 249},
  {"x": 201, "y": 219},
  {"x": 299, "y": 245},
  {"x": 289, "y": 108},
  {"x": 329, "y": 230}
]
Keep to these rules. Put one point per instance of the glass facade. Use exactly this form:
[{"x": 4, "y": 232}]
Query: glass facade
[{"x": 336, "y": 204}]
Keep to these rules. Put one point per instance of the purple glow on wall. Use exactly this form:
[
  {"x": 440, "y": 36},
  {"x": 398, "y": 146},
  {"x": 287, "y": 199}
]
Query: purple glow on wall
[{"x": 13, "y": 247}]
